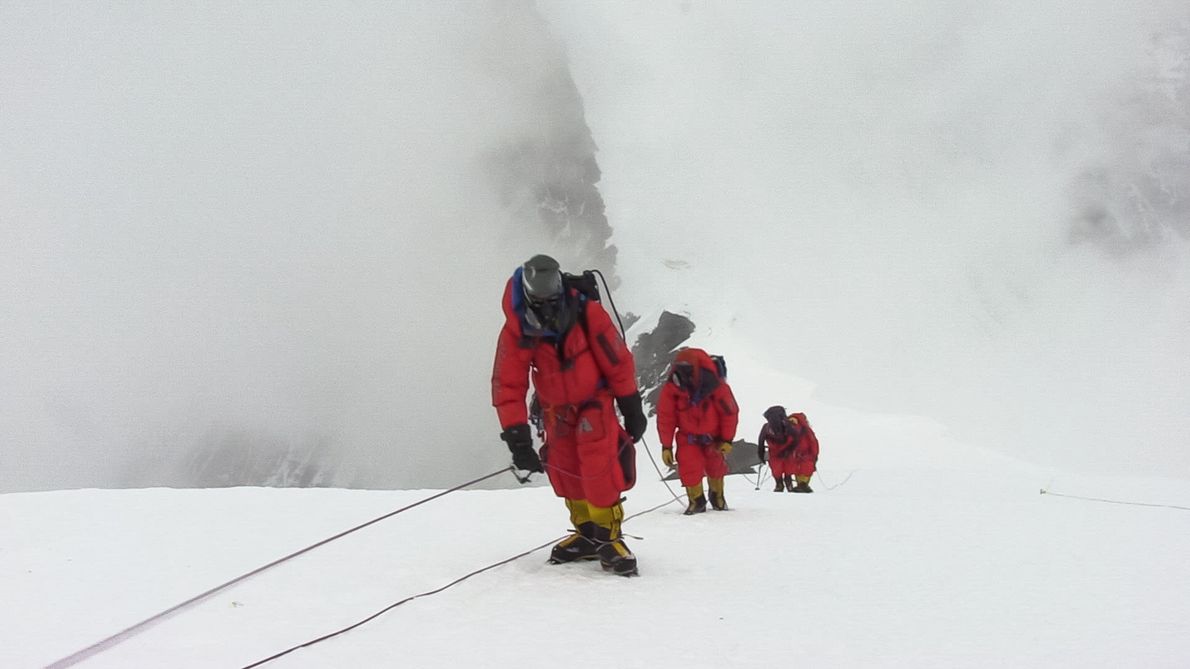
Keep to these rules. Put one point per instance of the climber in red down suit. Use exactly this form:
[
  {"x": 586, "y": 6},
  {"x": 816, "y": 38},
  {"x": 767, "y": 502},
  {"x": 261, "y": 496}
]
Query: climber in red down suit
[
  {"x": 697, "y": 402},
  {"x": 792, "y": 449},
  {"x": 579, "y": 366}
]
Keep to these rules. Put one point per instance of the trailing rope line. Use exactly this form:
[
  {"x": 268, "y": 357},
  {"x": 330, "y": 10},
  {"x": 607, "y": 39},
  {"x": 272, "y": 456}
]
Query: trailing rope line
[
  {"x": 1114, "y": 501},
  {"x": 396, "y": 604},
  {"x": 428, "y": 593},
  {"x": 837, "y": 485},
  {"x": 129, "y": 632},
  {"x": 660, "y": 476},
  {"x": 649, "y": 510},
  {"x": 607, "y": 291}
]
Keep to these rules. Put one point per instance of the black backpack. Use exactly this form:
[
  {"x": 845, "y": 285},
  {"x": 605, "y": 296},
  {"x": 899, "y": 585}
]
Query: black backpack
[{"x": 720, "y": 366}]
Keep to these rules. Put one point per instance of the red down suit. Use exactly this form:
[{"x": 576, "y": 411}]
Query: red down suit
[
  {"x": 702, "y": 411},
  {"x": 793, "y": 451},
  {"x": 576, "y": 375}
]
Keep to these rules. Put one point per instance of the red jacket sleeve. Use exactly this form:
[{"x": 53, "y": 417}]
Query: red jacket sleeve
[
  {"x": 611, "y": 353},
  {"x": 510, "y": 378},
  {"x": 729, "y": 412},
  {"x": 667, "y": 415}
]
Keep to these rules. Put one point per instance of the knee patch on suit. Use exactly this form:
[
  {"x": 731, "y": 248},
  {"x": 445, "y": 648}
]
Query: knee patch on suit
[
  {"x": 608, "y": 517},
  {"x": 580, "y": 511},
  {"x": 716, "y": 485}
]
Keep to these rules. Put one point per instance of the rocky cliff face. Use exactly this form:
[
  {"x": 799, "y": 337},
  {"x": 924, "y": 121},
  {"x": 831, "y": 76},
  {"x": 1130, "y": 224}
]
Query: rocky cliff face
[
  {"x": 546, "y": 173},
  {"x": 1135, "y": 195},
  {"x": 653, "y": 351}
]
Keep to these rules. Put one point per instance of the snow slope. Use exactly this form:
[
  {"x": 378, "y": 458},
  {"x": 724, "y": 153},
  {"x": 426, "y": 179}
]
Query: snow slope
[{"x": 914, "y": 551}]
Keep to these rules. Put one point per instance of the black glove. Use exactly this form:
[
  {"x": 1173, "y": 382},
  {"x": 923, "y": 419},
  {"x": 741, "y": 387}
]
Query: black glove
[
  {"x": 634, "y": 415},
  {"x": 521, "y": 444},
  {"x": 760, "y": 455}
]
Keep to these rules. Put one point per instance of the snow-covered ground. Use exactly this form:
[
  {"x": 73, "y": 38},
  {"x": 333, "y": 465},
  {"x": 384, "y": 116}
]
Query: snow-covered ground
[{"x": 914, "y": 551}]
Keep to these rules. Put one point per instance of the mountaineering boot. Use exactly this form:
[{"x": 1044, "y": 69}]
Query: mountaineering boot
[
  {"x": 698, "y": 502},
  {"x": 789, "y": 482},
  {"x": 780, "y": 485},
  {"x": 581, "y": 544},
  {"x": 803, "y": 486},
  {"x": 718, "y": 502},
  {"x": 578, "y": 546},
  {"x": 613, "y": 553}
]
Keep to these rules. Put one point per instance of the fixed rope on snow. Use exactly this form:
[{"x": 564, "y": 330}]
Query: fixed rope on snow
[
  {"x": 432, "y": 592},
  {"x": 837, "y": 485},
  {"x": 396, "y": 604},
  {"x": 129, "y": 632},
  {"x": 1114, "y": 501}
]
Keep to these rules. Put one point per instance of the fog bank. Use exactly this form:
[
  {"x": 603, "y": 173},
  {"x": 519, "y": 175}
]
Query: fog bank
[
  {"x": 267, "y": 242},
  {"x": 969, "y": 212}
]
